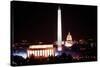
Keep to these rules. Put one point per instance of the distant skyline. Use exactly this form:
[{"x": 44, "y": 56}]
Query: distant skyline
[{"x": 38, "y": 21}]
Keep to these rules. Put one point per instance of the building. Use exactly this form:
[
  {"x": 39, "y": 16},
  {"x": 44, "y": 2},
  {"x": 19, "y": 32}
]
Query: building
[
  {"x": 42, "y": 51},
  {"x": 69, "y": 38},
  {"x": 69, "y": 42}
]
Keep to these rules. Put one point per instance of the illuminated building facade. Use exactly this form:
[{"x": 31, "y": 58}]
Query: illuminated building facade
[
  {"x": 42, "y": 51},
  {"x": 69, "y": 38},
  {"x": 69, "y": 41}
]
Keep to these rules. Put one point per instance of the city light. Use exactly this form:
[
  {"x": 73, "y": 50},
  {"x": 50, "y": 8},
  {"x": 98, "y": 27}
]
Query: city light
[
  {"x": 68, "y": 44},
  {"x": 41, "y": 52},
  {"x": 41, "y": 46},
  {"x": 59, "y": 48},
  {"x": 22, "y": 54}
]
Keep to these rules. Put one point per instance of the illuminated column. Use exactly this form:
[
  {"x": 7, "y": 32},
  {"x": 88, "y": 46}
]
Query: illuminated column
[
  {"x": 43, "y": 53},
  {"x": 59, "y": 31},
  {"x": 52, "y": 52},
  {"x": 38, "y": 52},
  {"x": 48, "y": 52},
  {"x": 33, "y": 52},
  {"x": 28, "y": 54}
]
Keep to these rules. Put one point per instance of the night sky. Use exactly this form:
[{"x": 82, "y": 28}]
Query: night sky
[{"x": 38, "y": 21}]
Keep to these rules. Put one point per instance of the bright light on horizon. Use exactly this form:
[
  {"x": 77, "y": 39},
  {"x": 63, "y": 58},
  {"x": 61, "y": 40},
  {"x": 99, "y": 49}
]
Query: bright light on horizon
[{"x": 24, "y": 55}]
